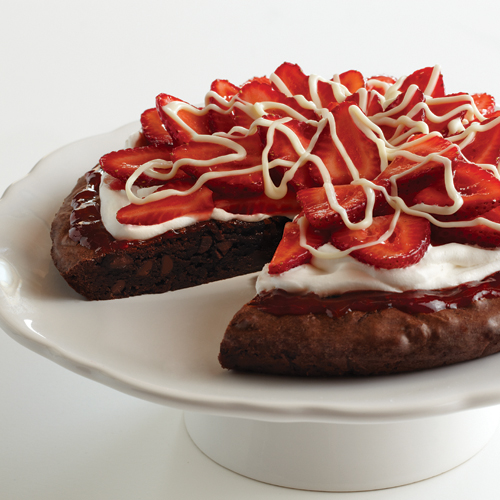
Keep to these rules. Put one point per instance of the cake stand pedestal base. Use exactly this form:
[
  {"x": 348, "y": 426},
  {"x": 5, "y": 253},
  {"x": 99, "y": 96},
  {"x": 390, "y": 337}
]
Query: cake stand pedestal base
[{"x": 343, "y": 456}]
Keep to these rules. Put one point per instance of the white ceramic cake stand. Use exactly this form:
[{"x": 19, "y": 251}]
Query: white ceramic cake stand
[{"x": 333, "y": 435}]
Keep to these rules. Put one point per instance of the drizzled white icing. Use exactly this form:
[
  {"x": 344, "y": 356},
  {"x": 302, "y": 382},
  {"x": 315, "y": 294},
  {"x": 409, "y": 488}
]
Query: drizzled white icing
[{"x": 326, "y": 262}]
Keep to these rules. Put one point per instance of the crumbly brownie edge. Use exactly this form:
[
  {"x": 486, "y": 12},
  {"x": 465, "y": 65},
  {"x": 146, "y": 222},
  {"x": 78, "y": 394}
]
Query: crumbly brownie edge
[
  {"x": 204, "y": 252},
  {"x": 376, "y": 343}
]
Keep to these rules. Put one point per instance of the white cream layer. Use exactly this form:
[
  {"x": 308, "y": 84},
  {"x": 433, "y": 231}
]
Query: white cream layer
[
  {"x": 441, "y": 267},
  {"x": 113, "y": 200}
]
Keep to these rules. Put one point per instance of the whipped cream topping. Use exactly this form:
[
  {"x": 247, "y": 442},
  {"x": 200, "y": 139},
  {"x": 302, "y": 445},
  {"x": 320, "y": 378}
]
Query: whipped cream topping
[
  {"x": 443, "y": 266},
  {"x": 113, "y": 200}
]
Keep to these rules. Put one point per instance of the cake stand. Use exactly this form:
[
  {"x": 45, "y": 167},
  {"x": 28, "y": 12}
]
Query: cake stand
[{"x": 346, "y": 434}]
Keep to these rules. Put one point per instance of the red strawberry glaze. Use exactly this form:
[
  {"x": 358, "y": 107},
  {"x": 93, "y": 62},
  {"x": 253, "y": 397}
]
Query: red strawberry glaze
[
  {"x": 279, "y": 302},
  {"x": 87, "y": 228}
]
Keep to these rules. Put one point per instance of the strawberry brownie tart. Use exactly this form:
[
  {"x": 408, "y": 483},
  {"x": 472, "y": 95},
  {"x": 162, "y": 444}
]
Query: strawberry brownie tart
[{"x": 372, "y": 203}]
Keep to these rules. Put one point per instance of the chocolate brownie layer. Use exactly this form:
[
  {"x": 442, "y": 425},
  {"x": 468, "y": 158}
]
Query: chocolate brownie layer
[
  {"x": 359, "y": 343},
  {"x": 204, "y": 252}
]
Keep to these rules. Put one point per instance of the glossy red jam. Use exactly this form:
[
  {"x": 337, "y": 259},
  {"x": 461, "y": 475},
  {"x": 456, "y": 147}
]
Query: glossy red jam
[
  {"x": 86, "y": 226},
  {"x": 280, "y": 303}
]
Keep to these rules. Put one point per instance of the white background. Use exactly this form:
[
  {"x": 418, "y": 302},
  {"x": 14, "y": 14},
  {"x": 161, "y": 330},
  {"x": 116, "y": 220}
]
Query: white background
[{"x": 69, "y": 70}]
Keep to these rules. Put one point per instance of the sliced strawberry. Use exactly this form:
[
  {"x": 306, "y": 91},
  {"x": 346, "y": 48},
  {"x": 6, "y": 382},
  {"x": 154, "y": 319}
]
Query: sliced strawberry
[
  {"x": 362, "y": 151},
  {"x": 260, "y": 79},
  {"x": 282, "y": 148},
  {"x": 183, "y": 122},
  {"x": 412, "y": 179},
  {"x": 260, "y": 204},
  {"x": 326, "y": 93},
  {"x": 328, "y": 153},
  {"x": 445, "y": 110},
  {"x": 153, "y": 128},
  {"x": 353, "y": 80},
  {"x": 351, "y": 197},
  {"x": 122, "y": 164},
  {"x": 224, "y": 88},
  {"x": 373, "y": 104},
  {"x": 479, "y": 189},
  {"x": 380, "y": 83},
  {"x": 485, "y": 147},
  {"x": 294, "y": 79},
  {"x": 289, "y": 253},
  {"x": 424, "y": 80},
  {"x": 198, "y": 205},
  {"x": 258, "y": 92},
  {"x": 387, "y": 120},
  {"x": 321, "y": 215},
  {"x": 222, "y": 121},
  {"x": 406, "y": 245},
  {"x": 298, "y": 83},
  {"x": 480, "y": 235},
  {"x": 485, "y": 103},
  {"x": 231, "y": 184}
]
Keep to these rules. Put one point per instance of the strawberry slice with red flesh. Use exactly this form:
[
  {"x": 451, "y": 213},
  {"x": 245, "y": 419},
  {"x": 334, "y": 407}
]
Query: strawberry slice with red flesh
[
  {"x": 198, "y": 205},
  {"x": 219, "y": 121},
  {"x": 495, "y": 114},
  {"x": 351, "y": 197},
  {"x": 485, "y": 147},
  {"x": 153, "y": 128},
  {"x": 373, "y": 103},
  {"x": 258, "y": 92},
  {"x": 231, "y": 184},
  {"x": 450, "y": 106},
  {"x": 294, "y": 79},
  {"x": 485, "y": 103},
  {"x": 479, "y": 189},
  {"x": 282, "y": 148},
  {"x": 289, "y": 253},
  {"x": 406, "y": 245},
  {"x": 428, "y": 173},
  {"x": 353, "y": 80},
  {"x": 362, "y": 151},
  {"x": 379, "y": 83},
  {"x": 260, "y": 79},
  {"x": 411, "y": 110},
  {"x": 225, "y": 89},
  {"x": 260, "y": 204},
  {"x": 187, "y": 122},
  {"x": 122, "y": 164},
  {"x": 325, "y": 93},
  {"x": 424, "y": 81},
  {"x": 480, "y": 235}
]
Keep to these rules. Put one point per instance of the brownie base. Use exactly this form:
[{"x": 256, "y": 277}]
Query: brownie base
[
  {"x": 201, "y": 253},
  {"x": 375, "y": 343}
]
